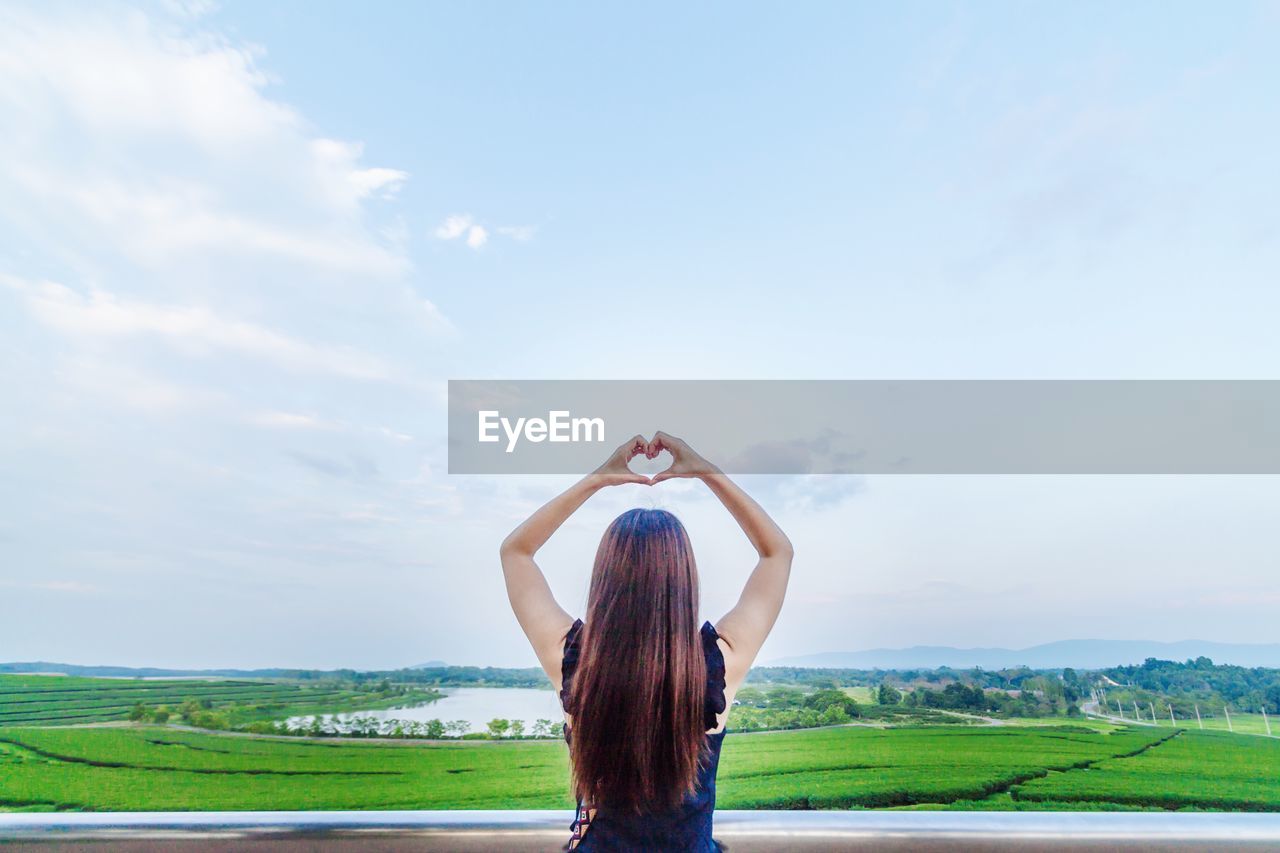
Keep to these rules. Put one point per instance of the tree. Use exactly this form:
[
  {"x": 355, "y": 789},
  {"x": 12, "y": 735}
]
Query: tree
[
  {"x": 834, "y": 715},
  {"x": 457, "y": 728},
  {"x": 161, "y": 714},
  {"x": 785, "y": 697},
  {"x": 541, "y": 728},
  {"x": 888, "y": 694},
  {"x": 498, "y": 727},
  {"x": 1271, "y": 697},
  {"x": 364, "y": 725},
  {"x": 517, "y": 728},
  {"x": 139, "y": 713},
  {"x": 435, "y": 729},
  {"x": 821, "y": 700}
]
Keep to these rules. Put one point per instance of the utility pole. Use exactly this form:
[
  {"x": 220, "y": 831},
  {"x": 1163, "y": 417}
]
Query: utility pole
[
  {"x": 1265, "y": 721},
  {"x": 1228, "y": 713},
  {"x": 1172, "y": 721},
  {"x": 1198, "y": 720},
  {"x": 1137, "y": 715},
  {"x": 1152, "y": 706}
]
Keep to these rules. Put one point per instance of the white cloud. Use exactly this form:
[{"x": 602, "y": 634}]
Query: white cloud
[
  {"x": 160, "y": 140},
  {"x": 454, "y": 226},
  {"x": 132, "y": 387},
  {"x": 191, "y": 329},
  {"x": 463, "y": 224},
  {"x": 191, "y": 8},
  {"x": 162, "y": 222},
  {"x": 121, "y": 73},
  {"x": 289, "y": 420},
  {"x": 523, "y": 233},
  {"x": 340, "y": 162}
]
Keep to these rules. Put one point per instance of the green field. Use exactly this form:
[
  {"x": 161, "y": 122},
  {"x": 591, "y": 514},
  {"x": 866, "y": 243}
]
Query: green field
[
  {"x": 1202, "y": 769},
  {"x": 1240, "y": 723},
  {"x": 62, "y": 747},
  {"x": 862, "y": 695},
  {"x": 1003, "y": 767},
  {"x": 59, "y": 700}
]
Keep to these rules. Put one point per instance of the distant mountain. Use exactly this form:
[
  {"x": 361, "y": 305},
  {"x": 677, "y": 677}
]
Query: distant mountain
[
  {"x": 1081, "y": 654},
  {"x": 108, "y": 671},
  {"x": 140, "y": 672},
  {"x": 431, "y": 664}
]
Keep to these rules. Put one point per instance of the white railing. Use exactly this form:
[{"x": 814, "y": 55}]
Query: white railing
[{"x": 741, "y": 831}]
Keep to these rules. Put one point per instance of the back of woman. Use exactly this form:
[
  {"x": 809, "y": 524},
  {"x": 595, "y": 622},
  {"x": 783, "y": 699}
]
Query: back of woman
[
  {"x": 682, "y": 825},
  {"x": 645, "y": 687}
]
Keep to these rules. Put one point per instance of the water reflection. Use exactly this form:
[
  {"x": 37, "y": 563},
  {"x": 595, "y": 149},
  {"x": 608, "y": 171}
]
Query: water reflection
[{"x": 474, "y": 706}]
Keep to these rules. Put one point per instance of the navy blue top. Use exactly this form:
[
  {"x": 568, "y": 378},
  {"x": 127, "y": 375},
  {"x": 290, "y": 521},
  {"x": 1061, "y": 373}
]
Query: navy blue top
[{"x": 686, "y": 828}]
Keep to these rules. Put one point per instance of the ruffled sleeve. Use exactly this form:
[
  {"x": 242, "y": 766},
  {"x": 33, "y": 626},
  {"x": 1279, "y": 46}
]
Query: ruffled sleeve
[
  {"x": 715, "y": 703},
  {"x": 569, "y": 665}
]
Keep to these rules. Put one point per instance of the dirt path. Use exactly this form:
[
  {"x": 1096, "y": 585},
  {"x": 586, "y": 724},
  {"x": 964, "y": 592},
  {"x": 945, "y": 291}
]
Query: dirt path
[{"x": 990, "y": 721}]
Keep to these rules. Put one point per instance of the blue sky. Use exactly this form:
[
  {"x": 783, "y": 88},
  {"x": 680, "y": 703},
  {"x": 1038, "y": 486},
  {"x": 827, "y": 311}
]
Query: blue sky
[{"x": 245, "y": 245}]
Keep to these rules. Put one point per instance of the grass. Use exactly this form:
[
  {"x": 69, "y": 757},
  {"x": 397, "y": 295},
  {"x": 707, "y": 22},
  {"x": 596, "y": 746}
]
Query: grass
[
  {"x": 870, "y": 768},
  {"x": 163, "y": 769},
  {"x": 1204, "y": 770},
  {"x": 45, "y": 700},
  {"x": 1240, "y": 724},
  {"x": 1252, "y": 724},
  {"x": 917, "y": 759},
  {"x": 1005, "y": 767},
  {"x": 862, "y": 695}
]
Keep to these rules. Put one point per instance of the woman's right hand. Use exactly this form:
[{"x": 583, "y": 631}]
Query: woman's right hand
[
  {"x": 614, "y": 471},
  {"x": 685, "y": 460}
]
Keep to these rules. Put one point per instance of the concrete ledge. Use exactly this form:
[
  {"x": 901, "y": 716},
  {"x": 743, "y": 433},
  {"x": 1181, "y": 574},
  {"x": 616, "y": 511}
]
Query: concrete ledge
[{"x": 745, "y": 831}]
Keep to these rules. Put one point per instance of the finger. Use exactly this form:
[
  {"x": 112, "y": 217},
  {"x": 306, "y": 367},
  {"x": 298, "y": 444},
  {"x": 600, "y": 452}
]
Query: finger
[
  {"x": 659, "y": 442},
  {"x": 662, "y": 475},
  {"x": 637, "y": 446}
]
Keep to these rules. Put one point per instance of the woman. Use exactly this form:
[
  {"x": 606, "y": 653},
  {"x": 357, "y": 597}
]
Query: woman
[{"x": 645, "y": 690}]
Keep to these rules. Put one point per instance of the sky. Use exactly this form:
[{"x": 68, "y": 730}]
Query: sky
[{"x": 243, "y": 247}]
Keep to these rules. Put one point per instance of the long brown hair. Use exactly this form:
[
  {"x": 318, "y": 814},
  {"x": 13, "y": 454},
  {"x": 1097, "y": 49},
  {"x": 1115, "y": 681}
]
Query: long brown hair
[{"x": 638, "y": 732}]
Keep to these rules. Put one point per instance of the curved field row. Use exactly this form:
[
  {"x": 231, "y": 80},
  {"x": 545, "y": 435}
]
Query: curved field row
[
  {"x": 8, "y": 712},
  {"x": 1208, "y": 770}
]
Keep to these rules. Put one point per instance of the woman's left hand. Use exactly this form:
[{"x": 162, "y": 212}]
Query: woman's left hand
[{"x": 614, "y": 471}]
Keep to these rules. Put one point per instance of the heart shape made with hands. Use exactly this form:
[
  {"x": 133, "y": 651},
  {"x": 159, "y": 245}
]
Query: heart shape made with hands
[{"x": 651, "y": 460}]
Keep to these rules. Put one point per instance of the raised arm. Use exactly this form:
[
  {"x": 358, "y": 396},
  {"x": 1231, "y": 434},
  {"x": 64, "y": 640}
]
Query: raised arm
[
  {"x": 745, "y": 627},
  {"x": 541, "y": 617}
]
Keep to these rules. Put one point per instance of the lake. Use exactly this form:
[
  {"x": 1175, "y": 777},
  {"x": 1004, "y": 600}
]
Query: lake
[{"x": 476, "y": 705}]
